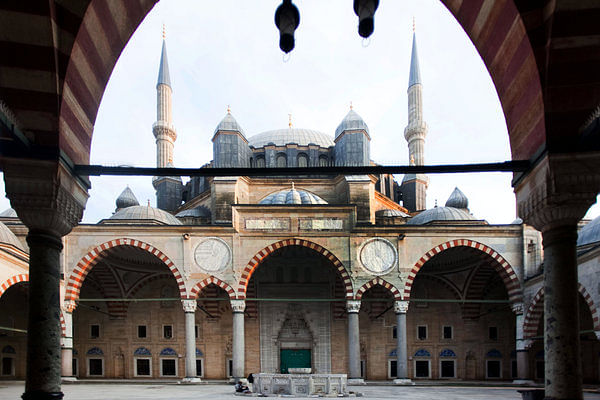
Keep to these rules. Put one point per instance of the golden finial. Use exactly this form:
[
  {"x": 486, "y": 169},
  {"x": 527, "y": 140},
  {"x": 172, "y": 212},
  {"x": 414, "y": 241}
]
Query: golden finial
[
  {"x": 290, "y": 120},
  {"x": 293, "y": 188},
  {"x": 148, "y": 202},
  {"x": 228, "y": 109},
  {"x": 164, "y": 33},
  {"x": 412, "y": 159},
  {"x": 414, "y": 25},
  {"x": 350, "y": 105}
]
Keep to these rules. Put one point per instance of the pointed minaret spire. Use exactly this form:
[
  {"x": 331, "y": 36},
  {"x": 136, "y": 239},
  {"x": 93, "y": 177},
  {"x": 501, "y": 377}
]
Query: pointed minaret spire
[
  {"x": 415, "y": 71},
  {"x": 163, "y": 73}
]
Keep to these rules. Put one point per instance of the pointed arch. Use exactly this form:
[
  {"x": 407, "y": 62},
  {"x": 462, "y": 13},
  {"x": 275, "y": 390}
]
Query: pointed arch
[
  {"x": 195, "y": 292},
  {"x": 536, "y": 310},
  {"x": 378, "y": 282},
  {"x": 86, "y": 263},
  {"x": 63, "y": 325},
  {"x": 13, "y": 281},
  {"x": 262, "y": 254},
  {"x": 504, "y": 269}
]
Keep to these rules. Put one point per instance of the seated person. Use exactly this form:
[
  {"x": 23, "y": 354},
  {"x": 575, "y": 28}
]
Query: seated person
[{"x": 241, "y": 388}]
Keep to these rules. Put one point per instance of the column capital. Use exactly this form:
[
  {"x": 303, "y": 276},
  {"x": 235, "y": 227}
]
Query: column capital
[
  {"x": 517, "y": 308},
  {"x": 523, "y": 344},
  {"x": 45, "y": 195},
  {"x": 238, "y": 305},
  {"x": 597, "y": 334},
  {"x": 353, "y": 306},
  {"x": 559, "y": 190},
  {"x": 189, "y": 305},
  {"x": 69, "y": 306},
  {"x": 400, "y": 306}
]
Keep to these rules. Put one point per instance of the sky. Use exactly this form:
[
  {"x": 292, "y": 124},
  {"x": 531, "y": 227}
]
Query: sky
[{"x": 226, "y": 53}]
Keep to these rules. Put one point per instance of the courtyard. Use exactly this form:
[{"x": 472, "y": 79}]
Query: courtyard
[{"x": 127, "y": 391}]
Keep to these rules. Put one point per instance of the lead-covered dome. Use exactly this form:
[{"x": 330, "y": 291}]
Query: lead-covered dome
[
  {"x": 9, "y": 213},
  {"x": 126, "y": 199},
  {"x": 457, "y": 199},
  {"x": 589, "y": 233},
  {"x": 352, "y": 121},
  {"x": 282, "y": 137},
  {"x": 441, "y": 214},
  {"x": 292, "y": 196},
  {"x": 228, "y": 123},
  {"x": 7, "y": 237},
  {"x": 144, "y": 215}
]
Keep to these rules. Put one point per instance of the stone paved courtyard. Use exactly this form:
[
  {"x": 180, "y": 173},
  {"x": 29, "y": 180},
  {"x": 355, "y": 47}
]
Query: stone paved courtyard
[{"x": 119, "y": 391}]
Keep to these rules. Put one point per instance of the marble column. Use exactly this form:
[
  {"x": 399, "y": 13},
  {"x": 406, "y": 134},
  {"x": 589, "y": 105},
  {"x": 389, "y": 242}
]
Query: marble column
[
  {"x": 237, "y": 308},
  {"x": 189, "y": 308},
  {"x": 353, "y": 307},
  {"x": 400, "y": 308},
  {"x": 67, "y": 342},
  {"x": 50, "y": 202},
  {"x": 522, "y": 345}
]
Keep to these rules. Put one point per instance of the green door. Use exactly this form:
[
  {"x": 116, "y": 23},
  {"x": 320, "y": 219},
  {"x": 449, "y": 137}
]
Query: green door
[{"x": 294, "y": 359}]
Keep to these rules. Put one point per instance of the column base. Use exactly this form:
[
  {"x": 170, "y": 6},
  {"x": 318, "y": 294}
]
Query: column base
[
  {"x": 194, "y": 379},
  {"x": 40, "y": 395},
  {"x": 403, "y": 381},
  {"x": 523, "y": 382},
  {"x": 67, "y": 379},
  {"x": 356, "y": 381}
]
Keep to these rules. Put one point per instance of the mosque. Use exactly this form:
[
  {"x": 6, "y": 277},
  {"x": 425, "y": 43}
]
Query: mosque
[{"x": 341, "y": 274}]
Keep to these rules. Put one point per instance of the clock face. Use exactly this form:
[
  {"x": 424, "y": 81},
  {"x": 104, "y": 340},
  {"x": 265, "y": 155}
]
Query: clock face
[
  {"x": 212, "y": 255},
  {"x": 378, "y": 256}
]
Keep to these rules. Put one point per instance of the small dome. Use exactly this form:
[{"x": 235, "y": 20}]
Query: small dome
[
  {"x": 198, "y": 212},
  {"x": 391, "y": 213},
  {"x": 457, "y": 199},
  {"x": 145, "y": 213},
  {"x": 7, "y": 237},
  {"x": 517, "y": 221},
  {"x": 292, "y": 196},
  {"x": 351, "y": 121},
  {"x": 228, "y": 123},
  {"x": 282, "y": 137},
  {"x": 589, "y": 233},
  {"x": 9, "y": 213},
  {"x": 126, "y": 199},
  {"x": 441, "y": 214}
]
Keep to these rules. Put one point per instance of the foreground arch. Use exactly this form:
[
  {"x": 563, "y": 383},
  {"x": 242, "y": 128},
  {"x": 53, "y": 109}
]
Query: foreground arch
[{"x": 13, "y": 281}]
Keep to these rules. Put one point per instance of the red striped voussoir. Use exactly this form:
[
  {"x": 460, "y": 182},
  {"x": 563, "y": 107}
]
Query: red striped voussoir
[
  {"x": 381, "y": 282},
  {"x": 93, "y": 256},
  {"x": 502, "y": 267},
  {"x": 262, "y": 254},
  {"x": 12, "y": 281},
  {"x": 212, "y": 280},
  {"x": 63, "y": 326}
]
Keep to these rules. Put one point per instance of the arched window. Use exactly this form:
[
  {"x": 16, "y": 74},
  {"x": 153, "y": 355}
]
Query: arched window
[
  {"x": 302, "y": 160},
  {"x": 323, "y": 162},
  {"x": 260, "y": 162},
  {"x": 281, "y": 160}
]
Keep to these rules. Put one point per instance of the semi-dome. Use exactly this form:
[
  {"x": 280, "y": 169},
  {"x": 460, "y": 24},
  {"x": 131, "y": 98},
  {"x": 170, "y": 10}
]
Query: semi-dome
[
  {"x": 198, "y": 212},
  {"x": 352, "y": 121},
  {"x": 146, "y": 215},
  {"x": 441, "y": 214},
  {"x": 457, "y": 199},
  {"x": 590, "y": 233},
  {"x": 127, "y": 199},
  {"x": 292, "y": 196},
  {"x": 282, "y": 137},
  {"x": 9, "y": 238},
  {"x": 391, "y": 213},
  {"x": 228, "y": 123}
]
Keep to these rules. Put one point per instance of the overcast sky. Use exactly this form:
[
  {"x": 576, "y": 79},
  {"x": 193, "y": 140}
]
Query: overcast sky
[{"x": 226, "y": 52}]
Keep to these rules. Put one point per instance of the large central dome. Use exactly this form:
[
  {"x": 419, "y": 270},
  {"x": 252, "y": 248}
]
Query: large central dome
[{"x": 281, "y": 137}]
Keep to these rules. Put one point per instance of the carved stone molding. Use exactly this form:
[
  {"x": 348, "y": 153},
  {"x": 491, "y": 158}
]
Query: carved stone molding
[
  {"x": 189, "y": 306},
  {"x": 517, "y": 308},
  {"x": 45, "y": 195},
  {"x": 238, "y": 306},
  {"x": 400, "y": 307},
  {"x": 353, "y": 306},
  {"x": 559, "y": 190}
]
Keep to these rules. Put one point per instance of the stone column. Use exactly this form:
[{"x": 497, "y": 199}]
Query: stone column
[
  {"x": 189, "y": 308},
  {"x": 400, "y": 308},
  {"x": 553, "y": 197},
  {"x": 353, "y": 307},
  {"x": 67, "y": 342},
  {"x": 50, "y": 202},
  {"x": 238, "y": 307},
  {"x": 522, "y": 344}
]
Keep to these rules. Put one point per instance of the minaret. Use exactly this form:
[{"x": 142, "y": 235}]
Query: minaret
[
  {"x": 168, "y": 188},
  {"x": 414, "y": 186}
]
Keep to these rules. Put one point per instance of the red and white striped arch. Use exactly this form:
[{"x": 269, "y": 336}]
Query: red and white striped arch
[
  {"x": 211, "y": 280},
  {"x": 262, "y": 254},
  {"x": 506, "y": 272},
  {"x": 63, "y": 325},
  {"x": 84, "y": 265},
  {"x": 13, "y": 280},
  {"x": 536, "y": 310},
  {"x": 379, "y": 282}
]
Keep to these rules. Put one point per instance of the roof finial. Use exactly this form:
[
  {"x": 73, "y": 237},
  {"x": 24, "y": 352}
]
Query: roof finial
[
  {"x": 350, "y": 105},
  {"x": 228, "y": 109},
  {"x": 148, "y": 202},
  {"x": 414, "y": 25},
  {"x": 436, "y": 202},
  {"x": 290, "y": 120},
  {"x": 164, "y": 32},
  {"x": 293, "y": 188}
]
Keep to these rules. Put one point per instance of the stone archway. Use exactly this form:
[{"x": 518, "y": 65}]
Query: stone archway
[
  {"x": 13, "y": 281},
  {"x": 378, "y": 282},
  {"x": 211, "y": 280}
]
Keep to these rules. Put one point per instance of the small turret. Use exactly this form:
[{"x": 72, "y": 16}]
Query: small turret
[
  {"x": 126, "y": 199},
  {"x": 458, "y": 200},
  {"x": 352, "y": 141},
  {"x": 230, "y": 146}
]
